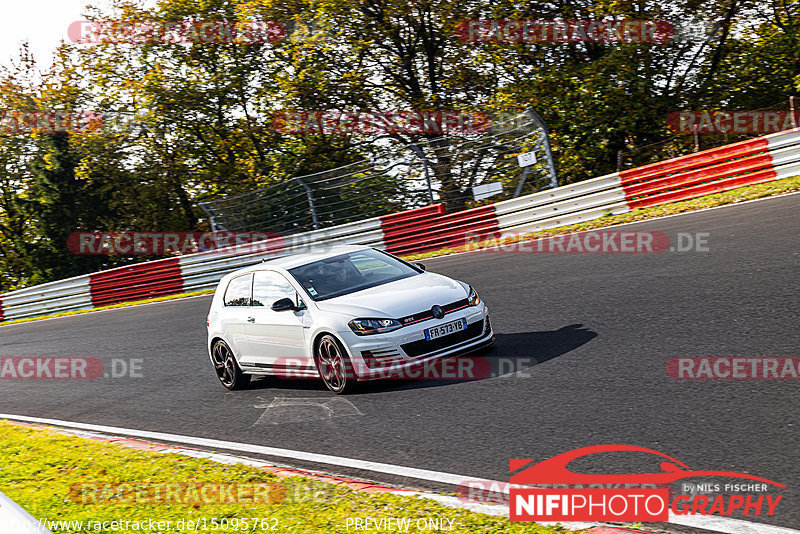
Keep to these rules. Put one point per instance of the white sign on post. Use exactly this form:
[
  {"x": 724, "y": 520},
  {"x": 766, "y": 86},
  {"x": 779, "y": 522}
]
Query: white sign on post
[
  {"x": 527, "y": 159},
  {"x": 479, "y": 192}
]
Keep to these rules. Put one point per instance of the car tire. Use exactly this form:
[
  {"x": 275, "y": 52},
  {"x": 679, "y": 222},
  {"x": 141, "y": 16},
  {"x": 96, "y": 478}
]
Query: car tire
[
  {"x": 334, "y": 365},
  {"x": 228, "y": 371}
]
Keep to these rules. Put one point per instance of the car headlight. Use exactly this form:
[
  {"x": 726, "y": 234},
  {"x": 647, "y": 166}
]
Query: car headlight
[
  {"x": 473, "y": 297},
  {"x": 365, "y": 327}
]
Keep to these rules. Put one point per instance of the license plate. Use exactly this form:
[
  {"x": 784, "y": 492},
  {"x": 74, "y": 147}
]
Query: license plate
[{"x": 445, "y": 329}]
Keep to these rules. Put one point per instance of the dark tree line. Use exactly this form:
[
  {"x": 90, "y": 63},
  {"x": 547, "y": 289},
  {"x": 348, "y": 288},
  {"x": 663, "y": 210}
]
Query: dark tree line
[{"x": 189, "y": 123}]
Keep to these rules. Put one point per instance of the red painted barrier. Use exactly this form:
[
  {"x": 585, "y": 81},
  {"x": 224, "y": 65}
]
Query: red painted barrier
[
  {"x": 413, "y": 215},
  {"x": 686, "y": 179},
  {"x": 433, "y": 232},
  {"x": 1, "y": 310},
  {"x": 711, "y": 171},
  {"x": 708, "y": 188},
  {"x": 705, "y": 158},
  {"x": 136, "y": 282}
]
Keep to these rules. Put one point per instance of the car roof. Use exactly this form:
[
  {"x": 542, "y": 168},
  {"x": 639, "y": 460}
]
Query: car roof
[{"x": 295, "y": 260}]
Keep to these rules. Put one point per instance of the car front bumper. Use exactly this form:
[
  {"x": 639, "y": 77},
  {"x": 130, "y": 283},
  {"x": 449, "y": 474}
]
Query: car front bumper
[{"x": 401, "y": 353}]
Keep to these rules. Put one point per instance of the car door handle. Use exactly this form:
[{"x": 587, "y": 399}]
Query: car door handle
[{"x": 251, "y": 319}]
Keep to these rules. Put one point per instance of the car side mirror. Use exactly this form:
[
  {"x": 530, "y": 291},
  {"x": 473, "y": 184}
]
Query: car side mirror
[
  {"x": 420, "y": 265},
  {"x": 283, "y": 304}
]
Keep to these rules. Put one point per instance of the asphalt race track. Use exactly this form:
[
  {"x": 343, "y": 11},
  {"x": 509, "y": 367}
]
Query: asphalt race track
[{"x": 590, "y": 333}]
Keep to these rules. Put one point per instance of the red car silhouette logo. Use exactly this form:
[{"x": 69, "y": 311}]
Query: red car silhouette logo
[{"x": 554, "y": 470}]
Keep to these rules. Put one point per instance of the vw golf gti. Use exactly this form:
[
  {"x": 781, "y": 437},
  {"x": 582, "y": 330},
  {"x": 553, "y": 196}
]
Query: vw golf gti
[{"x": 345, "y": 314}]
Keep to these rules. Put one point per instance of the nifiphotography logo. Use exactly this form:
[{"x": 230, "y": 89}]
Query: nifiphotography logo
[{"x": 571, "y": 496}]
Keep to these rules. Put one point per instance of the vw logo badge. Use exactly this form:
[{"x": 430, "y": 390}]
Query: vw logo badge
[{"x": 437, "y": 311}]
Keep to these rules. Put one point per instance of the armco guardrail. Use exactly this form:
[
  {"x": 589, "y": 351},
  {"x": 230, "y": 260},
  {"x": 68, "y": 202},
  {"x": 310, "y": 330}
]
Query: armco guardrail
[
  {"x": 418, "y": 231},
  {"x": 53, "y": 297},
  {"x": 564, "y": 205},
  {"x": 753, "y": 161},
  {"x": 135, "y": 282}
]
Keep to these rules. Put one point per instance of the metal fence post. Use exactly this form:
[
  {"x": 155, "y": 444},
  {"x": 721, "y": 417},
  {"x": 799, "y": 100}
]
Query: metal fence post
[
  {"x": 521, "y": 183},
  {"x": 212, "y": 219},
  {"x": 551, "y": 166},
  {"x": 310, "y": 196},
  {"x": 424, "y": 159}
]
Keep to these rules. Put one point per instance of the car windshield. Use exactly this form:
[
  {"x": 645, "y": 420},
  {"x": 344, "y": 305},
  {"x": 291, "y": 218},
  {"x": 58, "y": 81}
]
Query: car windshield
[{"x": 348, "y": 273}]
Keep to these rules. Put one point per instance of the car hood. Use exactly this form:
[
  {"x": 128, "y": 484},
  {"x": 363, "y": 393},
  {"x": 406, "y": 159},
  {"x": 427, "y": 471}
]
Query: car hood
[{"x": 399, "y": 298}]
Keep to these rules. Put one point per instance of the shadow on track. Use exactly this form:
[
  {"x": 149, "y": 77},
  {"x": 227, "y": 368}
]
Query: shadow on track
[{"x": 512, "y": 355}]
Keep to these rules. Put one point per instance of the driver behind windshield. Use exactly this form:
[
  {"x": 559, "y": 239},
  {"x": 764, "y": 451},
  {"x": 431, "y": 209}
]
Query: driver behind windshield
[{"x": 333, "y": 277}]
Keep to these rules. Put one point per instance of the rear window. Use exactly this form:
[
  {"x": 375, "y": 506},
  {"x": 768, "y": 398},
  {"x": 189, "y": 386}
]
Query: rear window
[{"x": 238, "y": 291}]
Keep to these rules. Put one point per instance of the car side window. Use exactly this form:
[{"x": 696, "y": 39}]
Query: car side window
[
  {"x": 269, "y": 287},
  {"x": 238, "y": 291}
]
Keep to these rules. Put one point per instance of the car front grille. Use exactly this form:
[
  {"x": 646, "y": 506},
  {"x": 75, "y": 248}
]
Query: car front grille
[
  {"x": 428, "y": 314},
  {"x": 378, "y": 358},
  {"x": 418, "y": 348}
]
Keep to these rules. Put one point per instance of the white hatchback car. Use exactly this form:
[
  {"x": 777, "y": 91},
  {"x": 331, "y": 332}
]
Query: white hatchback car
[{"x": 346, "y": 314}]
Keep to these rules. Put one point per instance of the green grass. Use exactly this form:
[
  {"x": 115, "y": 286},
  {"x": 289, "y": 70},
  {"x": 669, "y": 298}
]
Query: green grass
[
  {"x": 38, "y": 468},
  {"x": 750, "y": 192}
]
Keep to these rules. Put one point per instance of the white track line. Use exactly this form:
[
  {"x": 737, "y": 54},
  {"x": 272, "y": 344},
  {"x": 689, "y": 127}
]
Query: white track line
[
  {"x": 376, "y": 467},
  {"x": 712, "y": 523}
]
